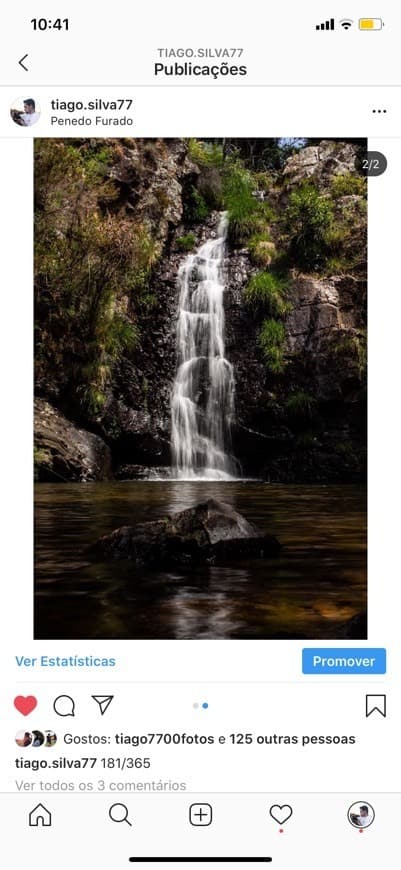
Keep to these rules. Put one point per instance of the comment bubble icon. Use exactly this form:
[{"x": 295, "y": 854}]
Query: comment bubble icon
[{"x": 64, "y": 705}]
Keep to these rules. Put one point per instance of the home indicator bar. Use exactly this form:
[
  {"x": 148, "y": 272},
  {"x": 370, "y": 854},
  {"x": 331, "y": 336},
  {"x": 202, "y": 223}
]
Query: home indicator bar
[{"x": 210, "y": 860}]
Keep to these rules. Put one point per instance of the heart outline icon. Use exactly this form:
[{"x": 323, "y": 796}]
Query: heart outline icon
[
  {"x": 25, "y": 704},
  {"x": 280, "y": 814}
]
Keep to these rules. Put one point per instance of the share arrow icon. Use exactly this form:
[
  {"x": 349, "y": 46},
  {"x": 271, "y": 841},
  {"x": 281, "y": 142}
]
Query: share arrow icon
[{"x": 104, "y": 702}]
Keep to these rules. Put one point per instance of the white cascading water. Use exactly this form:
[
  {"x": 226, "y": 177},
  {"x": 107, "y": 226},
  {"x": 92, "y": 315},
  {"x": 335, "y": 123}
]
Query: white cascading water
[{"x": 202, "y": 404}]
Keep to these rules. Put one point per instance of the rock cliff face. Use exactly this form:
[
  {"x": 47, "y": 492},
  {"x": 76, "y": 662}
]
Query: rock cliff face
[
  {"x": 320, "y": 163},
  {"x": 63, "y": 452},
  {"x": 304, "y": 423},
  {"x": 325, "y": 357},
  {"x": 323, "y": 333}
]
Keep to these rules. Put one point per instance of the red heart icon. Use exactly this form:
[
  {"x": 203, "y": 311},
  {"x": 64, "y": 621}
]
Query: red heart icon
[{"x": 25, "y": 705}]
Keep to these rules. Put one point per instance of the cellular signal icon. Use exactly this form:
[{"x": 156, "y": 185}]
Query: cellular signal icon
[{"x": 326, "y": 25}]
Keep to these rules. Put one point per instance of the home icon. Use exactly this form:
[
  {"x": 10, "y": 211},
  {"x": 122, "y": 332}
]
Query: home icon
[{"x": 40, "y": 816}]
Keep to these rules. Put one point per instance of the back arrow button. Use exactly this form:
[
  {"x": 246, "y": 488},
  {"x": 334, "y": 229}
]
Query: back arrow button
[{"x": 21, "y": 62}]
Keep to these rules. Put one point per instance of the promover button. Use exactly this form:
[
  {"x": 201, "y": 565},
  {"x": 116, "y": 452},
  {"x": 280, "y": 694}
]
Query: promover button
[{"x": 337, "y": 660}]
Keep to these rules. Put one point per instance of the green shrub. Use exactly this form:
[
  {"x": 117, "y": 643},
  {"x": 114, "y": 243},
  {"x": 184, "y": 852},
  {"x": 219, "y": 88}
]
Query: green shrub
[
  {"x": 238, "y": 190},
  {"x": 348, "y": 185},
  {"x": 147, "y": 301},
  {"x": 272, "y": 344},
  {"x": 92, "y": 399},
  {"x": 242, "y": 206},
  {"x": 352, "y": 347},
  {"x": 261, "y": 249},
  {"x": 205, "y": 153},
  {"x": 345, "y": 242},
  {"x": 92, "y": 266},
  {"x": 241, "y": 229},
  {"x": 186, "y": 243},
  {"x": 335, "y": 237},
  {"x": 121, "y": 335},
  {"x": 301, "y": 405},
  {"x": 264, "y": 181},
  {"x": 96, "y": 162},
  {"x": 308, "y": 218},
  {"x": 337, "y": 266},
  {"x": 265, "y": 292}
]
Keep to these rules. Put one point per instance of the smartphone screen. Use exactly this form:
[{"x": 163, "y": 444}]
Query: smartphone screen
[{"x": 200, "y": 654}]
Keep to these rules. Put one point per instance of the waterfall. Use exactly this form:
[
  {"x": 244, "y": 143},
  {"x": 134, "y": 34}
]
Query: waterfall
[{"x": 202, "y": 405}]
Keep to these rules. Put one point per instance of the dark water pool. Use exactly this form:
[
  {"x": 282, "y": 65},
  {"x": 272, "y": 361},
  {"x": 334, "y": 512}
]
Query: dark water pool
[{"x": 311, "y": 590}]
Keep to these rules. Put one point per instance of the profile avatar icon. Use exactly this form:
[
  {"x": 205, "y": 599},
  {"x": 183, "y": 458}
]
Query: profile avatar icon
[
  {"x": 25, "y": 112},
  {"x": 23, "y": 739},
  {"x": 50, "y": 738},
  {"x": 361, "y": 815},
  {"x": 38, "y": 738}
]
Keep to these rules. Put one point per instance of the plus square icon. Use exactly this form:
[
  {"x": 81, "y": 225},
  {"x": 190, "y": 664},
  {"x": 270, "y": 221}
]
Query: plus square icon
[{"x": 200, "y": 814}]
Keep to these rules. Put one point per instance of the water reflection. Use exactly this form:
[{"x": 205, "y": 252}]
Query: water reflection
[{"x": 311, "y": 590}]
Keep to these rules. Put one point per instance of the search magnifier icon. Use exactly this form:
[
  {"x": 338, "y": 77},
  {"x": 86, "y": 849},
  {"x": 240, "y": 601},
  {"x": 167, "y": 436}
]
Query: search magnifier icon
[{"x": 119, "y": 813}]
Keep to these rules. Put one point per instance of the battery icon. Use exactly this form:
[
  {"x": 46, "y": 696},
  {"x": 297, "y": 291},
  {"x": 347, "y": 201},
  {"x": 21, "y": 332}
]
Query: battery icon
[{"x": 370, "y": 24}]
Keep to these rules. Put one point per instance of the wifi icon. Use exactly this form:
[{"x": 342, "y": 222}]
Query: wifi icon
[{"x": 346, "y": 23}]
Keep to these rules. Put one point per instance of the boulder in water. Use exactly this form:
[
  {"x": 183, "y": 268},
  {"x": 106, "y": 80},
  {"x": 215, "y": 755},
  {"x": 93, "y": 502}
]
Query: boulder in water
[{"x": 211, "y": 532}]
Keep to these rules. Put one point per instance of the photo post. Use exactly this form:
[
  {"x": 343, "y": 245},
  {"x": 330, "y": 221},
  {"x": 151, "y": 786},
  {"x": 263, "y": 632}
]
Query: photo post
[{"x": 200, "y": 376}]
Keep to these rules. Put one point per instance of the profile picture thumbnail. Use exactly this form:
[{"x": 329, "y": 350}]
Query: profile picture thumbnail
[
  {"x": 38, "y": 738},
  {"x": 361, "y": 815},
  {"x": 50, "y": 738},
  {"x": 25, "y": 111},
  {"x": 23, "y": 739}
]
